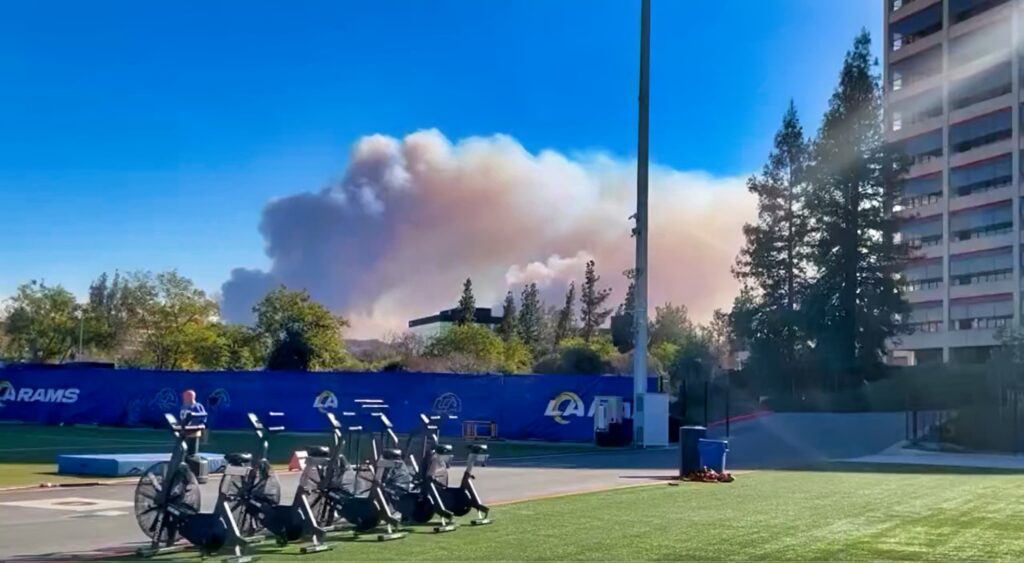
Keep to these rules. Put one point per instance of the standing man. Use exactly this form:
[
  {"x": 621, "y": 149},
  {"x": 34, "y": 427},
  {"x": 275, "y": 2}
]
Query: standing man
[{"x": 195, "y": 409}]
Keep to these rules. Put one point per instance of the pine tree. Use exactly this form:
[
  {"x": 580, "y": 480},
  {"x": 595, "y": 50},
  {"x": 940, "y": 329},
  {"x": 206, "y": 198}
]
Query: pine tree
[
  {"x": 507, "y": 328},
  {"x": 592, "y": 311},
  {"x": 466, "y": 312},
  {"x": 853, "y": 304},
  {"x": 566, "y": 326},
  {"x": 530, "y": 318},
  {"x": 773, "y": 263}
]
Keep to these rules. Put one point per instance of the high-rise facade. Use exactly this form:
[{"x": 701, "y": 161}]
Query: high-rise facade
[{"x": 952, "y": 73}]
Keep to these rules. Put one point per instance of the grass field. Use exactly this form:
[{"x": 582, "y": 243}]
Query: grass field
[
  {"x": 848, "y": 513},
  {"x": 28, "y": 453}
]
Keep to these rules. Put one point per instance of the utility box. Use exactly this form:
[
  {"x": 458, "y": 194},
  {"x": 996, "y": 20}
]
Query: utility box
[
  {"x": 655, "y": 419},
  {"x": 611, "y": 426}
]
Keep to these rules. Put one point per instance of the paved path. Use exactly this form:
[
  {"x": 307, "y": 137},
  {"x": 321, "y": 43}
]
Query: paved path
[
  {"x": 77, "y": 525},
  {"x": 906, "y": 456}
]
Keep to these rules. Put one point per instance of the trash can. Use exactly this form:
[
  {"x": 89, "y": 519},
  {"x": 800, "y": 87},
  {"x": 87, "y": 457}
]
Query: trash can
[
  {"x": 689, "y": 454},
  {"x": 712, "y": 454}
]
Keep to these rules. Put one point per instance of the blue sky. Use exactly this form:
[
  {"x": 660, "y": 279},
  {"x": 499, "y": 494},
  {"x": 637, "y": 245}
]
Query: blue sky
[{"x": 144, "y": 135}]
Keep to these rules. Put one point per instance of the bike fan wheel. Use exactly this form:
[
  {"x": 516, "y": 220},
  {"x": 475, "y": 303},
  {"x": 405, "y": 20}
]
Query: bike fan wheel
[
  {"x": 248, "y": 496},
  {"x": 315, "y": 483},
  {"x": 160, "y": 489}
]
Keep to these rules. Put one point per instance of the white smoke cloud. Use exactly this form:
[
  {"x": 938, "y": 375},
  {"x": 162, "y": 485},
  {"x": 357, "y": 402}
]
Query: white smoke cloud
[{"x": 411, "y": 218}]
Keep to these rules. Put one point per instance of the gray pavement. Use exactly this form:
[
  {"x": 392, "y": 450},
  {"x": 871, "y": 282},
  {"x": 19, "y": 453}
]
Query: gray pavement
[{"x": 95, "y": 521}]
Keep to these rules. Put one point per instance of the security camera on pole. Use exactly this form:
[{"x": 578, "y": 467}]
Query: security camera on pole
[{"x": 650, "y": 410}]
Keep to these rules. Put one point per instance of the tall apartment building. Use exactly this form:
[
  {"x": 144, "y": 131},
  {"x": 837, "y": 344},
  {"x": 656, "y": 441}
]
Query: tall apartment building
[{"x": 953, "y": 79}]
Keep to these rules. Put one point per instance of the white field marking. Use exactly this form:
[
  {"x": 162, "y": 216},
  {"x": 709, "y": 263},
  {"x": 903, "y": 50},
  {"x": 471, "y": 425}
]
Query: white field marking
[
  {"x": 103, "y": 513},
  {"x": 73, "y": 504},
  {"x": 126, "y": 446}
]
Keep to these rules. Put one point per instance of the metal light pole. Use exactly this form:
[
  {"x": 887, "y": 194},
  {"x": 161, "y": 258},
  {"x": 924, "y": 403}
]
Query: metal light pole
[{"x": 640, "y": 232}]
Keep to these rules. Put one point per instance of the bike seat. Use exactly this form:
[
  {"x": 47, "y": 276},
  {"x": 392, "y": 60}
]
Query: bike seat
[
  {"x": 478, "y": 448},
  {"x": 318, "y": 451},
  {"x": 238, "y": 458},
  {"x": 443, "y": 449},
  {"x": 391, "y": 454}
]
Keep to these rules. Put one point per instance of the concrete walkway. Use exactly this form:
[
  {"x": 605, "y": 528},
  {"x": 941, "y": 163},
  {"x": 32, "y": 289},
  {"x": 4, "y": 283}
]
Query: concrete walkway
[{"x": 902, "y": 455}]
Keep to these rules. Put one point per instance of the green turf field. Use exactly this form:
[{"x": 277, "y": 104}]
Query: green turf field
[
  {"x": 28, "y": 453},
  {"x": 849, "y": 513}
]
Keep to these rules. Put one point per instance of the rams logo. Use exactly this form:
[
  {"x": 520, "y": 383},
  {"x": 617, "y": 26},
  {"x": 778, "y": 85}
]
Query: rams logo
[
  {"x": 165, "y": 400},
  {"x": 219, "y": 399},
  {"x": 447, "y": 403},
  {"x": 326, "y": 400},
  {"x": 563, "y": 405},
  {"x": 8, "y": 394}
]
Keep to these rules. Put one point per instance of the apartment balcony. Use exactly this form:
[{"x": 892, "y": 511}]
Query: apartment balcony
[
  {"x": 982, "y": 243},
  {"x": 981, "y": 108},
  {"x": 917, "y": 45},
  {"x": 920, "y": 340},
  {"x": 925, "y": 295},
  {"x": 983, "y": 287},
  {"x": 931, "y": 249},
  {"x": 983, "y": 152},
  {"x": 980, "y": 63},
  {"x": 978, "y": 199},
  {"x": 908, "y": 7},
  {"x": 935, "y": 207},
  {"x": 972, "y": 337},
  {"x": 908, "y": 130},
  {"x": 995, "y": 15},
  {"x": 909, "y": 89},
  {"x": 925, "y": 168}
]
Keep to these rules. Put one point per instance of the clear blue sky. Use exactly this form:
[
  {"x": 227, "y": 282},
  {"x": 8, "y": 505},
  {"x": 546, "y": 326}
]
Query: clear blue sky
[{"x": 150, "y": 135}]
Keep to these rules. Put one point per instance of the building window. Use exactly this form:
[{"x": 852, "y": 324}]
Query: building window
[
  {"x": 981, "y": 176},
  {"x": 925, "y": 317},
  {"x": 924, "y": 148},
  {"x": 981, "y": 267},
  {"x": 990, "y": 83},
  {"x": 980, "y": 131},
  {"x": 922, "y": 190},
  {"x": 981, "y": 313},
  {"x": 920, "y": 275},
  {"x": 962, "y": 10},
  {"x": 916, "y": 27},
  {"x": 912, "y": 70},
  {"x": 920, "y": 233},
  {"x": 972, "y": 46},
  {"x": 980, "y": 222}
]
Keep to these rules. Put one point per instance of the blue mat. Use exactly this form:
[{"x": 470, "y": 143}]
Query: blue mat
[{"x": 121, "y": 465}]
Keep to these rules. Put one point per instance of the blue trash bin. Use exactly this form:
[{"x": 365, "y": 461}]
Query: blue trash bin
[{"x": 712, "y": 454}]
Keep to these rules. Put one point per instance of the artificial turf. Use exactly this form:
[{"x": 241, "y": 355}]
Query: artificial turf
[
  {"x": 848, "y": 513},
  {"x": 28, "y": 453}
]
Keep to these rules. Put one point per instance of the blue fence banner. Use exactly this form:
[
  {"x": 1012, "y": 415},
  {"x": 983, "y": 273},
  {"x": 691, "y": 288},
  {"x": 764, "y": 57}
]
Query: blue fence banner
[{"x": 524, "y": 407}]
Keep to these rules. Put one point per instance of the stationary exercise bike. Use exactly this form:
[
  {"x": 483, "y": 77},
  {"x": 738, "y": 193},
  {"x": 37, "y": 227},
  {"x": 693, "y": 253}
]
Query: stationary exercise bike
[
  {"x": 167, "y": 505},
  {"x": 254, "y": 497},
  {"x": 408, "y": 487},
  {"x": 433, "y": 470},
  {"x": 336, "y": 489}
]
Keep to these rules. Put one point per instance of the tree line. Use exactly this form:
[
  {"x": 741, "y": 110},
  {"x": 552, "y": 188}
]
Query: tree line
[
  {"x": 821, "y": 293},
  {"x": 164, "y": 321}
]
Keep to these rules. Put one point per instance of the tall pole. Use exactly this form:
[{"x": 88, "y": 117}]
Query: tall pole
[{"x": 640, "y": 232}]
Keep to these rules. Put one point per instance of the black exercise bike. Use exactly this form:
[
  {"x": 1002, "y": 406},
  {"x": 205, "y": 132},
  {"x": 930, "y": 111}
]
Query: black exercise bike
[
  {"x": 339, "y": 490},
  {"x": 168, "y": 502},
  {"x": 254, "y": 498}
]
